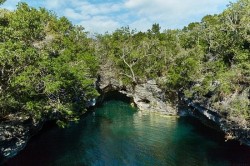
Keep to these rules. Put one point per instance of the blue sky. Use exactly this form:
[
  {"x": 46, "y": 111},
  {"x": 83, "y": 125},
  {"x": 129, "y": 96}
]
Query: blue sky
[{"x": 98, "y": 16}]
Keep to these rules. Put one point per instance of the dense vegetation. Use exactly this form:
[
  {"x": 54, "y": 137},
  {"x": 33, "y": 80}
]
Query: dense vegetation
[
  {"x": 208, "y": 61},
  {"x": 48, "y": 66}
]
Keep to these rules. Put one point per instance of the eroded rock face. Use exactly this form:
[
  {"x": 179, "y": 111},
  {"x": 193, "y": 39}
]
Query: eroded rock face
[
  {"x": 15, "y": 132},
  {"x": 107, "y": 80},
  {"x": 212, "y": 118},
  {"x": 149, "y": 97}
]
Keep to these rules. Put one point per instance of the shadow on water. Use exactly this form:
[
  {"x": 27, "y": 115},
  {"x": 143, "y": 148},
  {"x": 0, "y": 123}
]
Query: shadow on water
[
  {"x": 115, "y": 95},
  {"x": 218, "y": 151},
  {"x": 117, "y": 134}
]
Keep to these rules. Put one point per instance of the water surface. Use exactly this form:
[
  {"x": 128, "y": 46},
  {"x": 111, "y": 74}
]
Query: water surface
[{"x": 117, "y": 134}]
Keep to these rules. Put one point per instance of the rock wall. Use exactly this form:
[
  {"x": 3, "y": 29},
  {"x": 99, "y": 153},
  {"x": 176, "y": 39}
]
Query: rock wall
[
  {"x": 146, "y": 96},
  {"x": 212, "y": 118},
  {"x": 149, "y": 97},
  {"x": 15, "y": 131}
]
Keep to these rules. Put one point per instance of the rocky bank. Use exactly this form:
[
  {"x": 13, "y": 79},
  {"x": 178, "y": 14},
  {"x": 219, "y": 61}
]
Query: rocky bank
[
  {"x": 214, "y": 119},
  {"x": 15, "y": 131}
]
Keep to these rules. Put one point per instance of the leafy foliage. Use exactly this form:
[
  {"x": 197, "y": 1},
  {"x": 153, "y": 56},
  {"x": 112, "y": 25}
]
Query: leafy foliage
[
  {"x": 2, "y": 1},
  {"x": 47, "y": 65},
  {"x": 209, "y": 60}
]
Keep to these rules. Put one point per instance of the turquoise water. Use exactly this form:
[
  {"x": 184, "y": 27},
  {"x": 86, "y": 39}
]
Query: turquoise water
[{"x": 117, "y": 134}]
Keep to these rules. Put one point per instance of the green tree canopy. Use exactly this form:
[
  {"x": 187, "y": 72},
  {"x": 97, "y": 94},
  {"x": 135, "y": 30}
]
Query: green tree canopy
[
  {"x": 47, "y": 65},
  {"x": 2, "y": 1}
]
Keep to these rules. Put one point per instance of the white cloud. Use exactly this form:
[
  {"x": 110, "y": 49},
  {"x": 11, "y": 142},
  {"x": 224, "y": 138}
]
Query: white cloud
[
  {"x": 142, "y": 24},
  {"x": 173, "y": 13},
  {"x": 98, "y": 17},
  {"x": 72, "y": 14},
  {"x": 101, "y": 16},
  {"x": 10, "y": 4},
  {"x": 54, "y": 4},
  {"x": 96, "y": 9},
  {"x": 100, "y": 24}
]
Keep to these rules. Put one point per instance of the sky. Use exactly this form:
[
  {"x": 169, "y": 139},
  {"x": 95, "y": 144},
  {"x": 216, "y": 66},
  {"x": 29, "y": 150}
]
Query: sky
[{"x": 99, "y": 16}]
